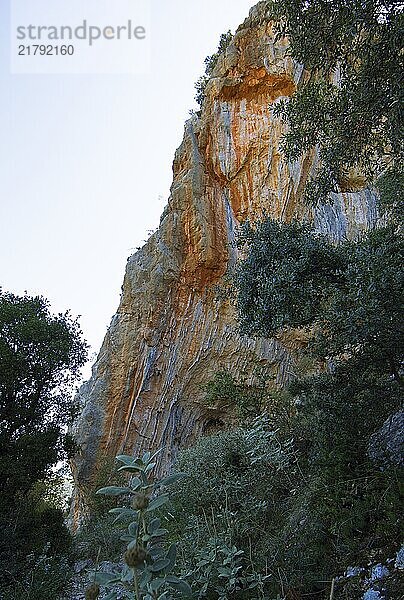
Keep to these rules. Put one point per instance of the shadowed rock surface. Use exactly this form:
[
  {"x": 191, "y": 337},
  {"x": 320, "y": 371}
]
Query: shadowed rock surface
[{"x": 386, "y": 446}]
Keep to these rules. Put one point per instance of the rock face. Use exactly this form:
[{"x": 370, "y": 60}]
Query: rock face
[
  {"x": 386, "y": 446},
  {"x": 171, "y": 333}
]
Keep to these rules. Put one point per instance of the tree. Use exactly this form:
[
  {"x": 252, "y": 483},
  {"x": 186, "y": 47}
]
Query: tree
[
  {"x": 350, "y": 105},
  {"x": 40, "y": 359},
  {"x": 285, "y": 276},
  {"x": 350, "y": 295},
  {"x": 350, "y": 299}
]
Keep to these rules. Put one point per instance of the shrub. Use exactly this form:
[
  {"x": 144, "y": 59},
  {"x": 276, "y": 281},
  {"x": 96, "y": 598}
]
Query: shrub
[
  {"x": 297, "y": 505},
  {"x": 99, "y": 539},
  {"x": 224, "y": 393},
  {"x": 210, "y": 64},
  {"x": 42, "y": 577},
  {"x": 226, "y": 510}
]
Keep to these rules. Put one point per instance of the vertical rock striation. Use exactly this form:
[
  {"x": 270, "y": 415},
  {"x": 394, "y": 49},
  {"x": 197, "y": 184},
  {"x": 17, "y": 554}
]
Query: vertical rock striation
[{"x": 171, "y": 333}]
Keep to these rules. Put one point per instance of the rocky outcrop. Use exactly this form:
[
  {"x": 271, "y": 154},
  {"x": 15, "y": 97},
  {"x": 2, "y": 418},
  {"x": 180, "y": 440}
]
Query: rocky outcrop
[
  {"x": 386, "y": 446},
  {"x": 171, "y": 333}
]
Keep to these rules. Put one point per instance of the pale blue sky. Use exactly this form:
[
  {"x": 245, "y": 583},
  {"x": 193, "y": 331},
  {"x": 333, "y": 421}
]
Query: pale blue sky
[{"x": 85, "y": 161}]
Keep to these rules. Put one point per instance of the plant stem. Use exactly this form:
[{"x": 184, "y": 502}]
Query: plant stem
[
  {"x": 137, "y": 592},
  {"x": 332, "y": 589},
  {"x": 144, "y": 524}
]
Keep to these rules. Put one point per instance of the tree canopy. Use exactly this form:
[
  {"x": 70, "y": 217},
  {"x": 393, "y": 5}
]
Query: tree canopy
[
  {"x": 350, "y": 295},
  {"x": 350, "y": 106},
  {"x": 40, "y": 359}
]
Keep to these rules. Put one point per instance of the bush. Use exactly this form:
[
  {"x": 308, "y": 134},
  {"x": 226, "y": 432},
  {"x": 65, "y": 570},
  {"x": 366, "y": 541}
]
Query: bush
[
  {"x": 225, "y": 394},
  {"x": 210, "y": 64},
  {"x": 293, "y": 507},
  {"x": 36, "y": 535},
  {"x": 99, "y": 539},
  {"x": 42, "y": 577},
  {"x": 226, "y": 510}
]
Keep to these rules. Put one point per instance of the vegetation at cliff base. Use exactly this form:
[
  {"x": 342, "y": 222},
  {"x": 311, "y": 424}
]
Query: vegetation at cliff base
[
  {"x": 291, "y": 500},
  {"x": 40, "y": 358},
  {"x": 349, "y": 299}
]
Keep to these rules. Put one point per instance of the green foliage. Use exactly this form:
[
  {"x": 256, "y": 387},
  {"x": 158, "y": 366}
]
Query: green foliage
[
  {"x": 353, "y": 401},
  {"x": 349, "y": 298},
  {"x": 52, "y": 492},
  {"x": 35, "y": 554},
  {"x": 344, "y": 510},
  {"x": 220, "y": 572},
  {"x": 40, "y": 358},
  {"x": 210, "y": 64},
  {"x": 350, "y": 106},
  {"x": 290, "y": 513},
  {"x": 391, "y": 188},
  {"x": 225, "y": 394},
  {"x": 264, "y": 512},
  {"x": 338, "y": 509},
  {"x": 107, "y": 474},
  {"x": 364, "y": 316},
  {"x": 285, "y": 277},
  {"x": 233, "y": 493},
  {"x": 99, "y": 539},
  {"x": 31, "y": 530},
  {"x": 347, "y": 511},
  {"x": 352, "y": 294},
  {"x": 147, "y": 572},
  {"x": 43, "y": 577}
]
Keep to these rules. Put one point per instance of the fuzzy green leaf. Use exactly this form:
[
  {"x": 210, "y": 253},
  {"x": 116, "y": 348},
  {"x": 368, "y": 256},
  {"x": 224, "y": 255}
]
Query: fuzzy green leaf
[
  {"x": 172, "y": 479},
  {"x": 157, "y": 502},
  {"x": 113, "y": 490}
]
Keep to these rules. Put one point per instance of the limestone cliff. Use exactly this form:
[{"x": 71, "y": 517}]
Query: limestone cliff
[{"x": 171, "y": 333}]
